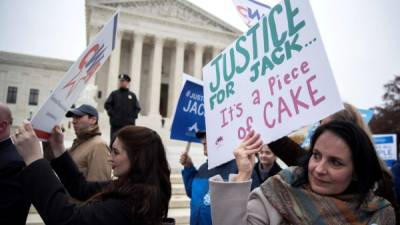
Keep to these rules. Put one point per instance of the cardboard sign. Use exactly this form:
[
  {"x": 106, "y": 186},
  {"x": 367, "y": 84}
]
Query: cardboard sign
[
  {"x": 53, "y": 111},
  {"x": 386, "y": 147},
  {"x": 251, "y": 11},
  {"x": 189, "y": 113},
  {"x": 274, "y": 78}
]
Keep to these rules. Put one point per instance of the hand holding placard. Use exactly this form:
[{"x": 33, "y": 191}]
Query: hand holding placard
[
  {"x": 56, "y": 141},
  {"x": 245, "y": 156},
  {"x": 185, "y": 160}
]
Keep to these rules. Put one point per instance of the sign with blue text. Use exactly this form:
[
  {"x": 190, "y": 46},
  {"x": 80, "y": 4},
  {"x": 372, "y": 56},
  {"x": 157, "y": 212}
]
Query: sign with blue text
[
  {"x": 189, "y": 113},
  {"x": 386, "y": 147}
]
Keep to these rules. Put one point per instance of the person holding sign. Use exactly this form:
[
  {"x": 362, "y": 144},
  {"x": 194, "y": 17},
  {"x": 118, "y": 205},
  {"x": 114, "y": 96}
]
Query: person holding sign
[
  {"x": 140, "y": 195},
  {"x": 122, "y": 106},
  {"x": 333, "y": 186},
  {"x": 290, "y": 152},
  {"x": 196, "y": 183}
]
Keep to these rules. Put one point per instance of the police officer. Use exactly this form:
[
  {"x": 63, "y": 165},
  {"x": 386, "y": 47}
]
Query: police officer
[{"x": 122, "y": 106}]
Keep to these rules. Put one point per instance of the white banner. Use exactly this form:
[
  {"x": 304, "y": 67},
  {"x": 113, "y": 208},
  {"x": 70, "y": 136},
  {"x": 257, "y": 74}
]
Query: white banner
[
  {"x": 275, "y": 78},
  {"x": 251, "y": 11},
  {"x": 53, "y": 111}
]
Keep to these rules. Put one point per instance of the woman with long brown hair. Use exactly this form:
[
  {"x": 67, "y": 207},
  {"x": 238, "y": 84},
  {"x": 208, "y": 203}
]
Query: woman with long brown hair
[{"x": 140, "y": 195}]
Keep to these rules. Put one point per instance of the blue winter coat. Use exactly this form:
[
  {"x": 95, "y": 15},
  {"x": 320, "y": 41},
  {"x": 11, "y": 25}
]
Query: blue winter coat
[
  {"x": 396, "y": 177},
  {"x": 196, "y": 186}
]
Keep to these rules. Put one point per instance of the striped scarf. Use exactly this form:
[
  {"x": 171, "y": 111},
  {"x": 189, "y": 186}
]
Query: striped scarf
[{"x": 299, "y": 205}]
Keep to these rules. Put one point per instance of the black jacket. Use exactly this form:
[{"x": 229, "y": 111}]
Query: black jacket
[
  {"x": 14, "y": 206},
  {"x": 51, "y": 201},
  {"x": 122, "y": 107}
]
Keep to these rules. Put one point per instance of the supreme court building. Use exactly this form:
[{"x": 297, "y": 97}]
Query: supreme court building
[{"x": 157, "y": 41}]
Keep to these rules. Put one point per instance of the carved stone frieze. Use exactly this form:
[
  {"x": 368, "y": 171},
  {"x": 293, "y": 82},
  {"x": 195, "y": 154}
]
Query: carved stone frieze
[{"x": 172, "y": 10}]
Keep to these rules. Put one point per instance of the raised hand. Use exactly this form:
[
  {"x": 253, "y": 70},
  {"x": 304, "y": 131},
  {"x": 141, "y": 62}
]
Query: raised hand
[
  {"x": 185, "y": 160},
  {"x": 245, "y": 155},
  {"x": 56, "y": 141},
  {"x": 27, "y": 143}
]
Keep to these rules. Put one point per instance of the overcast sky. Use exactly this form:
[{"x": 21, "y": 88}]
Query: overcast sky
[{"x": 362, "y": 38}]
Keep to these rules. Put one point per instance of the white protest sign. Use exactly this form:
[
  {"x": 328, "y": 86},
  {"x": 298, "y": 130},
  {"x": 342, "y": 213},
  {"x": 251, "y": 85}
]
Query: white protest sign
[
  {"x": 274, "y": 79},
  {"x": 386, "y": 146},
  {"x": 53, "y": 110},
  {"x": 252, "y": 10}
]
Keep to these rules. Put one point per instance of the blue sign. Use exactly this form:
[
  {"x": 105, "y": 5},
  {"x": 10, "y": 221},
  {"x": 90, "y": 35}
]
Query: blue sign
[
  {"x": 366, "y": 115},
  {"x": 189, "y": 113},
  {"x": 310, "y": 133}
]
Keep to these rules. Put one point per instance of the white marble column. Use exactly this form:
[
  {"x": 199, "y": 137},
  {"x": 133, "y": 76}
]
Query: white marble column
[
  {"x": 136, "y": 62},
  {"x": 175, "y": 81},
  {"x": 155, "y": 85},
  {"x": 112, "y": 79},
  {"x": 198, "y": 60}
]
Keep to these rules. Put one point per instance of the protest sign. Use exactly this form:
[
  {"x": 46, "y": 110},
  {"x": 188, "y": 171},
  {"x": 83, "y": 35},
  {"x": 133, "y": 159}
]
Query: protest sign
[
  {"x": 273, "y": 79},
  {"x": 310, "y": 132},
  {"x": 386, "y": 147},
  {"x": 189, "y": 113},
  {"x": 252, "y": 10},
  {"x": 366, "y": 115},
  {"x": 53, "y": 110}
]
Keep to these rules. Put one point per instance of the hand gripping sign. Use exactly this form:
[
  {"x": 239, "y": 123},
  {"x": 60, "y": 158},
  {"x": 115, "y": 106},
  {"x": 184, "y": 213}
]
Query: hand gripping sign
[
  {"x": 274, "y": 78},
  {"x": 53, "y": 110},
  {"x": 189, "y": 113}
]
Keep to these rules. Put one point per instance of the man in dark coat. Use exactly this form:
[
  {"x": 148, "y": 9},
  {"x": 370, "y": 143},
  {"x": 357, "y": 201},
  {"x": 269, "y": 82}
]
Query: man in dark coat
[
  {"x": 122, "y": 106},
  {"x": 14, "y": 207}
]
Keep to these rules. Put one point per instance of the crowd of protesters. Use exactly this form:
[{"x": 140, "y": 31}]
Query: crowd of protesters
[{"x": 339, "y": 179}]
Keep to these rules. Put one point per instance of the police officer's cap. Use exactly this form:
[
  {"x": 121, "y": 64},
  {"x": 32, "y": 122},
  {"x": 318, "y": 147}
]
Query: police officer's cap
[{"x": 123, "y": 77}]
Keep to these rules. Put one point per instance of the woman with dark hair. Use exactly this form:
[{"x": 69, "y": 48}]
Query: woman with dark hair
[
  {"x": 291, "y": 153},
  {"x": 140, "y": 195},
  {"x": 332, "y": 186}
]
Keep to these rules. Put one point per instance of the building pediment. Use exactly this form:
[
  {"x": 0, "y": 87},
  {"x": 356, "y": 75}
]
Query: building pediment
[{"x": 180, "y": 11}]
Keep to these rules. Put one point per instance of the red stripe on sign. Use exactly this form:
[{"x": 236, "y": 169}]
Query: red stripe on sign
[{"x": 42, "y": 134}]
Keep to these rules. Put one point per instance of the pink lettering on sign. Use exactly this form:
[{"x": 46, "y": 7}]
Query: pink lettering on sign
[
  {"x": 277, "y": 82},
  {"x": 231, "y": 113},
  {"x": 300, "y": 99}
]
